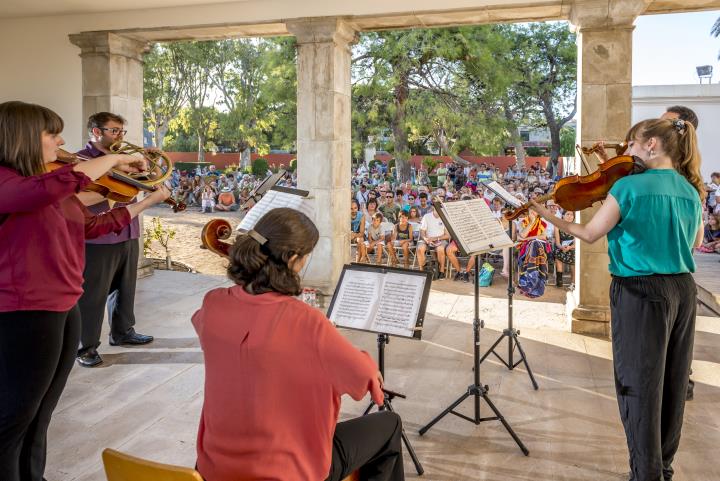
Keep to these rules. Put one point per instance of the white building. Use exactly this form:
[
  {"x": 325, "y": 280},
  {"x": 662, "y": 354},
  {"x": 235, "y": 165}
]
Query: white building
[{"x": 651, "y": 101}]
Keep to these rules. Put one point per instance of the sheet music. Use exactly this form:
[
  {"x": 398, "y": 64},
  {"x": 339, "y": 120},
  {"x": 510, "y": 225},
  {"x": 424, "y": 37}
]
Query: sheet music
[
  {"x": 399, "y": 305},
  {"x": 274, "y": 199},
  {"x": 386, "y": 302},
  {"x": 475, "y": 227},
  {"x": 356, "y": 302},
  {"x": 504, "y": 194}
]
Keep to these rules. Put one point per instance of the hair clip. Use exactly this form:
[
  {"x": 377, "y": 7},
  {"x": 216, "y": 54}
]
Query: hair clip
[
  {"x": 679, "y": 125},
  {"x": 257, "y": 237}
]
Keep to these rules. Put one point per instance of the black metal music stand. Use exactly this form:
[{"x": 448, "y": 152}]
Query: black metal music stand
[
  {"x": 389, "y": 395},
  {"x": 477, "y": 390},
  {"x": 510, "y": 332},
  {"x": 383, "y": 337}
]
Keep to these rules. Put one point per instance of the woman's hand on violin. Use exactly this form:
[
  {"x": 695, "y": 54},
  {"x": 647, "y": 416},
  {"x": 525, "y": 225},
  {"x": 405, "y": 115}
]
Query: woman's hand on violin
[
  {"x": 601, "y": 153},
  {"x": 130, "y": 163},
  {"x": 540, "y": 209}
]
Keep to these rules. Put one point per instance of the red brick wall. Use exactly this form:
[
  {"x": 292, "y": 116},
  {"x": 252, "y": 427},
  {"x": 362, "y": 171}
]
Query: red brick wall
[
  {"x": 223, "y": 160},
  {"x": 283, "y": 160},
  {"x": 503, "y": 161}
]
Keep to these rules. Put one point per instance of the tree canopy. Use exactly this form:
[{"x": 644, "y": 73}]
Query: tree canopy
[{"x": 417, "y": 91}]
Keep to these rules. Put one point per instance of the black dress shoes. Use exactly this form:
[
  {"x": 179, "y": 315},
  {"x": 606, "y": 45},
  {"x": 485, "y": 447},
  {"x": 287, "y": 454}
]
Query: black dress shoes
[
  {"x": 132, "y": 338},
  {"x": 89, "y": 358}
]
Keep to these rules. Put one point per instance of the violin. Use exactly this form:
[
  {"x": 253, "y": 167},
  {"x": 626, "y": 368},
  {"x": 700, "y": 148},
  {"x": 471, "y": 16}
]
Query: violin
[
  {"x": 213, "y": 234},
  {"x": 114, "y": 185},
  {"x": 578, "y": 192},
  {"x": 618, "y": 148}
]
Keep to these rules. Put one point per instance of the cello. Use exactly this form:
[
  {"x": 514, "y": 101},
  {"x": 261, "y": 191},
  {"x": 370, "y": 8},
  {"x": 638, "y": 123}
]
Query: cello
[{"x": 213, "y": 234}]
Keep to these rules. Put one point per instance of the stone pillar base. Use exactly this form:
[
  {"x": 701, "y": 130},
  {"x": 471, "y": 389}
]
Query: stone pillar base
[
  {"x": 145, "y": 268},
  {"x": 591, "y": 321}
]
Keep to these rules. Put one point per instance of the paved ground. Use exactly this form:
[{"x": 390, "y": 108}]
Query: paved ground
[
  {"x": 146, "y": 401},
  {"x": 707, "y": 277}
]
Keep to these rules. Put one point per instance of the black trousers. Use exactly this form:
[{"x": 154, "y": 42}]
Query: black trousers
[
  {"x": 653, "y": 327},
  {"x": 37, "y": 351},
  {"x": 110, "y": 278},
  {"x": 371, "y": 443}
]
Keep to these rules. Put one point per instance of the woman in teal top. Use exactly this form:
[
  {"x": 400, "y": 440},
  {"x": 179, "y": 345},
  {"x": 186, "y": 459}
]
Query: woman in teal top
[{"x": 652, "y": 222}]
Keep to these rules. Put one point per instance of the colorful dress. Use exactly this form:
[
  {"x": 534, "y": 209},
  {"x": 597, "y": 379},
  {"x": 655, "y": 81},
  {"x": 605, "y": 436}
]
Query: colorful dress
[{"x": 566, "y": 257}]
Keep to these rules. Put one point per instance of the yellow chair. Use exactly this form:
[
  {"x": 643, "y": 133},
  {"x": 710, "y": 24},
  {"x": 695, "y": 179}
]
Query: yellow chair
[{"x": 123, "y": 467}]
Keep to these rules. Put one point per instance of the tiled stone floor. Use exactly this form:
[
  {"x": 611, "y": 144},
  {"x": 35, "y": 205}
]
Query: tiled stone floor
[{"x": 146, "y": 401}]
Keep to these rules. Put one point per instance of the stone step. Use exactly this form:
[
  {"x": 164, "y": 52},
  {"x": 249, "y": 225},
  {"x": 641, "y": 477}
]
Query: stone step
[{"x": 709, "y": 301}]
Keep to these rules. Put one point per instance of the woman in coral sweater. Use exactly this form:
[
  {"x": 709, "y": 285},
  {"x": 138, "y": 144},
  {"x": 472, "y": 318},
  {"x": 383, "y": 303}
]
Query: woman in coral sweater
[{"x": 275, "y": 369}]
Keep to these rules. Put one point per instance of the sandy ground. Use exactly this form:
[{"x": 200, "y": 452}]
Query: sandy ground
[{"x": 185, "y": 248}]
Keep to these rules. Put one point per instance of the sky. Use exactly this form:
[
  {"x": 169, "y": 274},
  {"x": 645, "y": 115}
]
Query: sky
[{"x": 667, "y": 48}]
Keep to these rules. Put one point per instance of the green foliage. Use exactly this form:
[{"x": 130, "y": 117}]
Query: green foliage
[
  {"x": 534, "y": 151},
  {"x": 417, "y": 91},
  {"x": 240, "y": 92},
  {"x": 430, "y": 163},
  {"x": 230, "y": 169},
  {"x": 567, "y": 142},
  {"x": 376, "y": 163},
  {"x": 260, "y": 167},
  {"x": 179, "y": 141},
  {"x": 292, "y": 167},
  {"x": 158, "y": 232},
  {"x": 450, "y": 89}
]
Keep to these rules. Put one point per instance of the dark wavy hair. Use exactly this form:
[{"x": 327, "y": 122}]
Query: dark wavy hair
[
  {"x": 21, "y": 128},
  {"x": 264, "y": 268}
]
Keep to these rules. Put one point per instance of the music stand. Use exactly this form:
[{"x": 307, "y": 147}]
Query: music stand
[
  {"x": 364, "y": 286},
  {"x": 465, "y": 232},
  {"x": 510, "y": 332},
  {"x": 258, "y": 192}
]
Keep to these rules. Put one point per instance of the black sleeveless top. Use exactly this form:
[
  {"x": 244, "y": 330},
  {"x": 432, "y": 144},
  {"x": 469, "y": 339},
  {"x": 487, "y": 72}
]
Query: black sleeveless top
[{"x": 403, "y": 234}]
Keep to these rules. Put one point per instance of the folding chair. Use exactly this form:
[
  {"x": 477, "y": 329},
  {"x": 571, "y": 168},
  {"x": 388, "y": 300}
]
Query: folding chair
[{"x": 123, "y": 467}]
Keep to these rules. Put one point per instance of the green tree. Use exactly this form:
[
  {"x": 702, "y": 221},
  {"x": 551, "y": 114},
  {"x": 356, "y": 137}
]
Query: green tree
[
  {"x": 260, "y": 167},
  {"x": 549, "y": 70},
  {"x": 409, "y": 81},
  {"x": 200, "y": 117},
  {"x": 567, "y": 142},
  {"x": 165, "y": 88},
  {"x": 257, "y": 89}
]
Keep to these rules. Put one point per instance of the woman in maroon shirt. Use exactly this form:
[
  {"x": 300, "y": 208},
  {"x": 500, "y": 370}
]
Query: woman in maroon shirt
[
  {"x": 275, "y": 369},
  {"x": 43, "y": 227}
]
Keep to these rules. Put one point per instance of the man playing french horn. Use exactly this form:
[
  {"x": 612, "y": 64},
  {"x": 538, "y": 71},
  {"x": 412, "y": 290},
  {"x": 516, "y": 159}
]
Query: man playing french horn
[{"x": 111, "y": 260}]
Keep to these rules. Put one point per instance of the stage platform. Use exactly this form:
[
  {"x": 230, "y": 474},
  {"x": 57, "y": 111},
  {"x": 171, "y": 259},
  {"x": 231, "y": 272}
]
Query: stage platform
[
  {"x": 707, "y": 278},
  {"x": 146, "y": 401}
]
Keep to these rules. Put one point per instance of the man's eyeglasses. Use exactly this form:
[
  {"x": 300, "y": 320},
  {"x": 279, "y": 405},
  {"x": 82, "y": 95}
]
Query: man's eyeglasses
[
  {"x": 114, "y": 130},
  {"x": 389, "y": 197}
]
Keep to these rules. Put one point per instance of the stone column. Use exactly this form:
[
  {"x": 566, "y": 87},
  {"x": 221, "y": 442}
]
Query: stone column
[
  {"x": 324, "y": 139},
  {"x": 605, "y": 96},
  {"x": 112, "y": 81},
  {"x": 112, "y": 72}
]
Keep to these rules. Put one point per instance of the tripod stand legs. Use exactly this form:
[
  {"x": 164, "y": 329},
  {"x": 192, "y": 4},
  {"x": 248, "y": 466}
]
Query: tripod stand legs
[
  {"x": 478, "y": 392},
  {"x": 388, "y": 405},
  {"x": 512, "y": 335}
]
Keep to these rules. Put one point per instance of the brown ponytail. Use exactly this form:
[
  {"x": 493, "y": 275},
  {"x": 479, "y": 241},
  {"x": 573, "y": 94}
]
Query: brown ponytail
[
  {"x": 679, "y": 141},
  {"x": 264, "y": 268}
]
